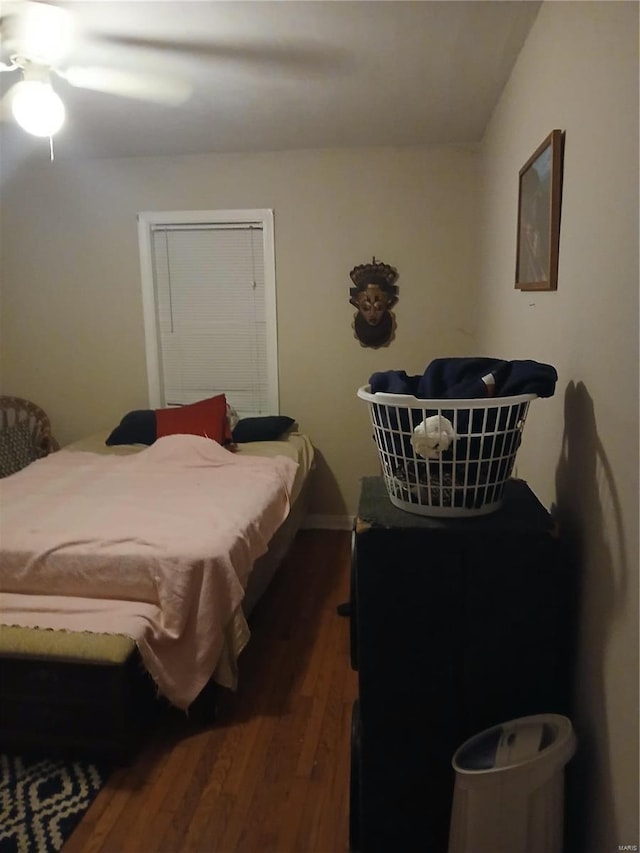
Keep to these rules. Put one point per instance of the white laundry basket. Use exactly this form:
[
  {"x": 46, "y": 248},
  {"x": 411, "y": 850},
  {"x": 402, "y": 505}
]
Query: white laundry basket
[
  {"x": 509, "y": 789},
  {"x": 463, "y": 474}
]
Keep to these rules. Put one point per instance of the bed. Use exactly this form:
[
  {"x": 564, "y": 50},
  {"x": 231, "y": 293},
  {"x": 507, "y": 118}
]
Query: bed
[{"x": 128, "y": 574}]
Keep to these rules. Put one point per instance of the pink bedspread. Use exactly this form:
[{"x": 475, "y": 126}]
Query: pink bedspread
[{"x": 160, "y": 542}]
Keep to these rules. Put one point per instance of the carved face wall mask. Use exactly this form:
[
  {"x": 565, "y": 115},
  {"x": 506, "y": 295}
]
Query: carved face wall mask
[
  {"x": 374, "y": 294},
  {"x": 372, "y": 303}
]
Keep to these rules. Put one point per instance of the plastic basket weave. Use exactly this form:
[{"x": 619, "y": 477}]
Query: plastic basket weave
[{"x": 462, "y": 475}]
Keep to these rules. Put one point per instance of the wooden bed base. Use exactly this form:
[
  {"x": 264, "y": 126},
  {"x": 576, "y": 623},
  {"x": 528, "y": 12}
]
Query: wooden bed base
[
  {"x": 62, "y": 692},
  {"x": 65, "y": 692}
]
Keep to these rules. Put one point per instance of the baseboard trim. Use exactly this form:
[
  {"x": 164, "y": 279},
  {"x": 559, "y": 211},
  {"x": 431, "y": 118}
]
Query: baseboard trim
[{"x": 327, "y": 522}]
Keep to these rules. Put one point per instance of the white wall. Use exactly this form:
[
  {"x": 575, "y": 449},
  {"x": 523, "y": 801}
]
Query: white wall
[
  {"x": 578, "y": 71},
  {"x": 72, "y": 326}
]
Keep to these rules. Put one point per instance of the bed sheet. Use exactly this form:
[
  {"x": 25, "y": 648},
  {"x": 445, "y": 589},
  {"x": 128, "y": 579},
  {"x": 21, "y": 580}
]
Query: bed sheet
[
  {"x": 185, "y": 612},
  {"x": 294, "y": 445}
]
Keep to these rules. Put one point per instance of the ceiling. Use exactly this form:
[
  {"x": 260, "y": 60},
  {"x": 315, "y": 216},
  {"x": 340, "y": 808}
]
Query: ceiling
[{"x": 286, "y": 74}]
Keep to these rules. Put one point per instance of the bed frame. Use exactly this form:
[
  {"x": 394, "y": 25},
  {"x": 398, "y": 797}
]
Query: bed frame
[{"x": 64, "y": 692}]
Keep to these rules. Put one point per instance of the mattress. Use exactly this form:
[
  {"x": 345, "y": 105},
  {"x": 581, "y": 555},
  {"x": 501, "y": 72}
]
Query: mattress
[
  {"x": 139, "y": 619},
  {"x": 294, "y": 445}
]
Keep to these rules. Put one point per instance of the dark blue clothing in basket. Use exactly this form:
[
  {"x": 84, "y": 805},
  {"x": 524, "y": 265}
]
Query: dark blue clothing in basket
[{"x": 461, "y": 378}]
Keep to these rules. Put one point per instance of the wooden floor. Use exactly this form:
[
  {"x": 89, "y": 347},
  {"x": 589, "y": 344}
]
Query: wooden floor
[{"x": 272, "y": 774}]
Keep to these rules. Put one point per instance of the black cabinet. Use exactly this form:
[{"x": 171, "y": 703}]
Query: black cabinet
[{"x": 457, "y": 625}]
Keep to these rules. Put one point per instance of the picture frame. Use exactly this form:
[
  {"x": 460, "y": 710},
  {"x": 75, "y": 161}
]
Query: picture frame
[{"x": 539, "y": 203}]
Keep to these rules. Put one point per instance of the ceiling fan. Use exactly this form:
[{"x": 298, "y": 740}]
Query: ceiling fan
[{"x": 36, "y": 39}]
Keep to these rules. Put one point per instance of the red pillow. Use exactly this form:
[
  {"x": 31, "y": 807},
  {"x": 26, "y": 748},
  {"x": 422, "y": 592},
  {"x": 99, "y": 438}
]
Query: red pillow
[{"x": 206, "y": 417}]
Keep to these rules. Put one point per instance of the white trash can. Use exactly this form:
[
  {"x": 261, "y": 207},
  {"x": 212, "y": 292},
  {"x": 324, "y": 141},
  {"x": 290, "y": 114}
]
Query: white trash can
[{"x": 509, "y": 788}]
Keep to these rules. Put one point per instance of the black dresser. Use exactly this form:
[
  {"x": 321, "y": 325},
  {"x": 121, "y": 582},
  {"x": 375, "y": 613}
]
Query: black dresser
[{"x": 456, "y": 625}]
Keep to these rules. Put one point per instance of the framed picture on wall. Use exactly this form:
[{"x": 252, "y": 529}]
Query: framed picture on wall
[{"x": 539, "y": 201}]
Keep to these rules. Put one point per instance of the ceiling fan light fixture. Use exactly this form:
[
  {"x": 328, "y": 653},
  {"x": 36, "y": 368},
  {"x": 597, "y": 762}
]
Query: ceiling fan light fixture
[
  {"x": 37, "y": 108},
  {"x": 43, "y": 32}
]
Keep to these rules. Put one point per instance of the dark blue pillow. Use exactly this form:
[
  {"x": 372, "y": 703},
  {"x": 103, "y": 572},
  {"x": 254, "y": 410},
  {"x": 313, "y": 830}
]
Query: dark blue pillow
[
  {"x": 137, "y": 427},
  {"x": 267, "y": 428}
]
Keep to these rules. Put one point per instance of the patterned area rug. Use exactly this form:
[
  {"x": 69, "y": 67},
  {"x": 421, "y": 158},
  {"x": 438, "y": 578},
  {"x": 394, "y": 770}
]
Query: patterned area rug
[{"x": 42, "y": 801}]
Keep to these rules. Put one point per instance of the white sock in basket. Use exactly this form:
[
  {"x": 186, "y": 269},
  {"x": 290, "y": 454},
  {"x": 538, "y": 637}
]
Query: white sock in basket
[{"x": 433, "y": 436}]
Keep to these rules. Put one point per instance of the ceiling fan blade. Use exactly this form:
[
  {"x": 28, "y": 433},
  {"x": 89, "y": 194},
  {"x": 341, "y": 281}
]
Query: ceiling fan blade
[
  {"x": 129, "y": 84},
  {"x": 307, "y": 56}
]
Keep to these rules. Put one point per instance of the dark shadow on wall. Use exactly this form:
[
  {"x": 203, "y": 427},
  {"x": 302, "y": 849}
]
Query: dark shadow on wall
[
  {"x": 325, "y": 491},
  {"x": 590, "y": 520}
]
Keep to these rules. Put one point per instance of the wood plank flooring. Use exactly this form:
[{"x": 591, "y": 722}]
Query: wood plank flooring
[{"x": 271, "y": 775}]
